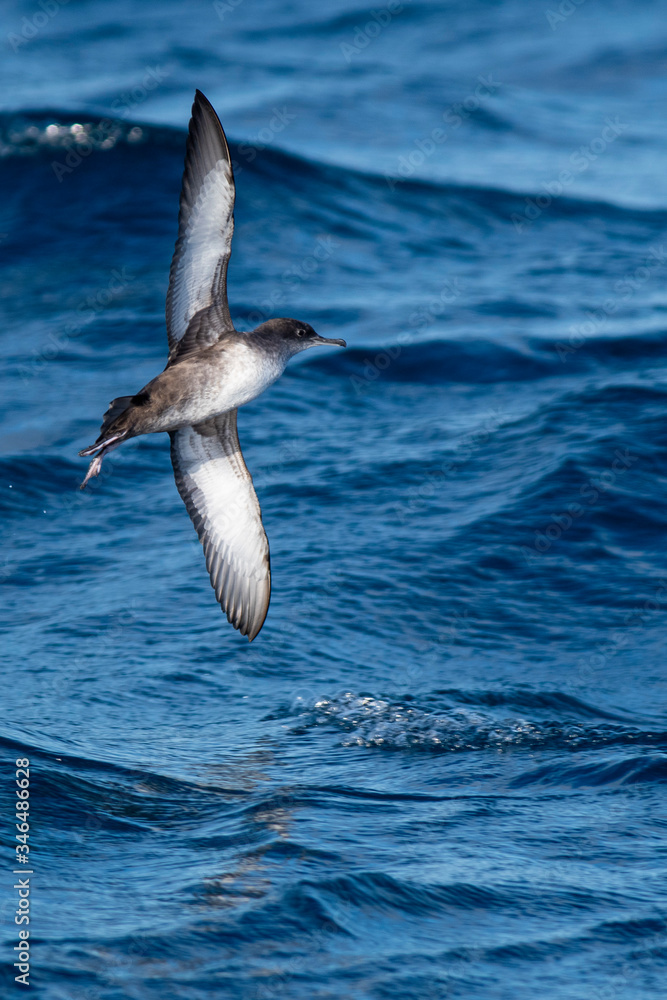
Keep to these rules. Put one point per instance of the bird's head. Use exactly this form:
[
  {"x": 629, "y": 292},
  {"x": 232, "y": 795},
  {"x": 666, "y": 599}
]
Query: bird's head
[{"x": 293, "y": 336}]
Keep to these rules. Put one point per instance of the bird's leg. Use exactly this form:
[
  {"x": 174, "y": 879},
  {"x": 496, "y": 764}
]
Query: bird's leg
[{"x": 96, "y": 464}]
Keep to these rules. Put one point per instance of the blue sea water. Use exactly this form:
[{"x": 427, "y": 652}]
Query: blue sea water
[{"x": 439, "y": 771}]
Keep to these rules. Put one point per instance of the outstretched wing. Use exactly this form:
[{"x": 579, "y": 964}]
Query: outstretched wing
[
  {"x": 217, "y": 490},
  {"x": 198, "y": 275}
]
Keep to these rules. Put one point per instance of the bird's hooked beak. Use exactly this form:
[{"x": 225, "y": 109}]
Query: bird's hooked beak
[{"x": 328, "y": 340}]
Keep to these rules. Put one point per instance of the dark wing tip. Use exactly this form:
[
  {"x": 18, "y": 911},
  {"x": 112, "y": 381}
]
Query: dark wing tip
[
  {"x": 201, "y": 101},
  {"x": 204, "y": 115},
  {"x": 248, "y": 619},
  {"x": 253, "y": 631},
  {"x": 201, "y": 98}
]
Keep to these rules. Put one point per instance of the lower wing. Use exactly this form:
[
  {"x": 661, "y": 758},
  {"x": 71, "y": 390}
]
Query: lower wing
[{"x": 217, "y": 490}]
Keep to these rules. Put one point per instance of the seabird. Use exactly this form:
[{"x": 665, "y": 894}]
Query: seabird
[{"x": 212, "y": 369}]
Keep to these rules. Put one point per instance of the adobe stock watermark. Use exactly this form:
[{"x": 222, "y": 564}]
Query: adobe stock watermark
[
  {"x": 104, "y": 642},
  {"x": 427, "y": 313},
  {"x": 625, "y": 288},
  {"x": 278, "y": 122},
  {"x": 634, "y": 623},
  {"x": 590, "y": 492},
  {"x": 562, "y": 12},
  {"x": 86, "y": 140},
  {"x": 291, "y": 278},
  {"x": 224, "y": 7},
  {"x": 82, "y": 145},
  {"x": 7, "y": 568},
  {"x": 433, "y": 481},
  {"x": 129, "y": 100},
  {"x": 454, "y": 638},
  {"x": 453, "y": 117},
  {"x": 32, "y": 26},
  {"x": 364, "y": 35},
  {"x": 580, "y": 160},
  {"x": 288, "y": 453},
  {"x": 302, "y": 613},
  {"x": 87, "y": 309}
]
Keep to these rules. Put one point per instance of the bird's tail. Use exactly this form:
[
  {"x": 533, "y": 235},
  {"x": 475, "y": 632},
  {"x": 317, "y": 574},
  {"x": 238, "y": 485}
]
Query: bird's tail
[
  {"x": 117, "y": 407},
  {"x": 112, "y": 433}
]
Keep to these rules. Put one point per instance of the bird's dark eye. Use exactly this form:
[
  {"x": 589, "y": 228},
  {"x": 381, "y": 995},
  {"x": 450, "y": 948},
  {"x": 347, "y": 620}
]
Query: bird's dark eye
[{"x": 301, "y": 332}]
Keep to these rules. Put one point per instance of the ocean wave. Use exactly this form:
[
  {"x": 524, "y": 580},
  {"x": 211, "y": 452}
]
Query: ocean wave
[
  {"x": 650, "y": 768},
  {"x": 368, "y": 721},
  {"x": 486, "y": 361},
  {"x": 55, "y": 133}
]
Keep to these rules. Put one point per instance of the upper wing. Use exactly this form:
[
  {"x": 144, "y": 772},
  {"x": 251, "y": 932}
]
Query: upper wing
[
  {"x": 217, "y": 490},
  {"x": 198, "y": 275}
]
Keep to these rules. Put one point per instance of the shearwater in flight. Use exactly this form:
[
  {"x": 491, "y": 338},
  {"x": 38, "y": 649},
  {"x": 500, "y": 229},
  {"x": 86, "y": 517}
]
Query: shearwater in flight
[{"x": 212, "y": 369}]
